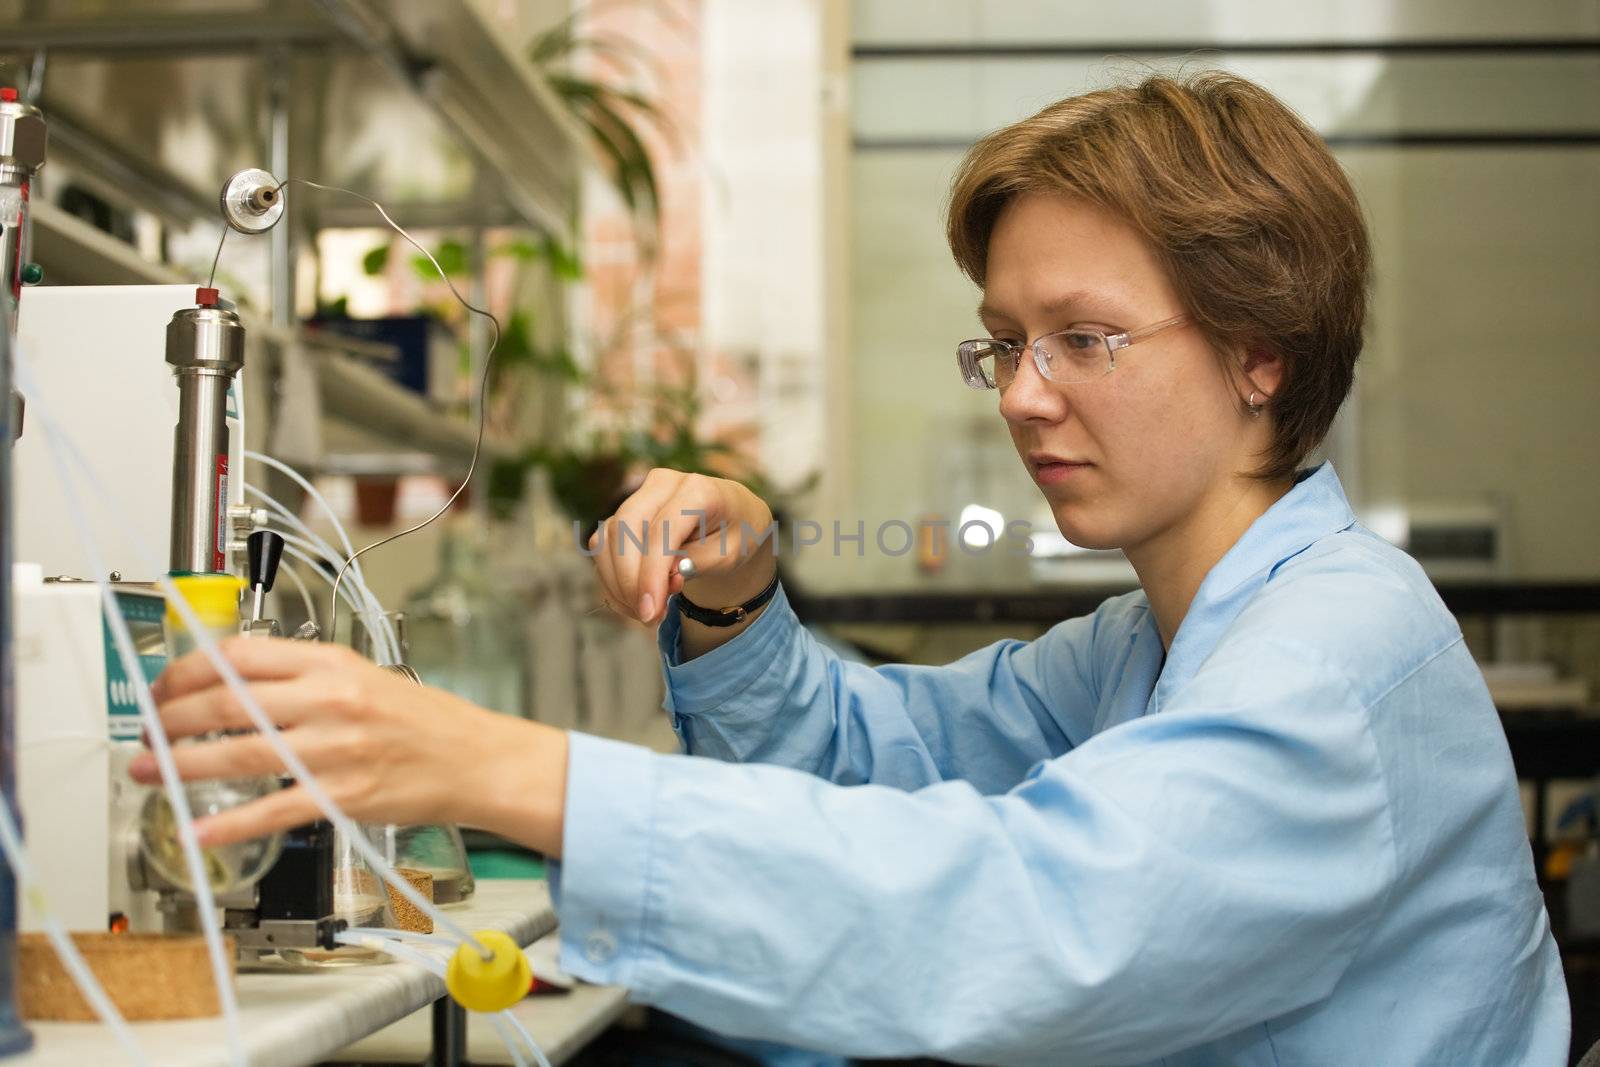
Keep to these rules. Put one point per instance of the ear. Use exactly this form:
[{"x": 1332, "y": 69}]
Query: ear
[{"x": 1262, "y": 369}]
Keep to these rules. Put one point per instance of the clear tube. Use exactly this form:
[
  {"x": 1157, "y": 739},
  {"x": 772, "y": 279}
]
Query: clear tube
[
  {"x": 305, "y": 594},
  {"x": 315, "y": 564},
  {"x": 365, "y": 608},
  {"x": 215, "y": 601},
  {"x": 62, "y": 449},
  {"x": 385, "y": 941},
  {"x": 386, "y": 628},
  {"x": 333, "y": 558},
  {"x": 401, "y": 935},
  {"x": 509, "y": 1040},
  {"x": 65, "y": 449},
  {"x": 71, "y": 958},
  {"x": 349, "y": 562}
]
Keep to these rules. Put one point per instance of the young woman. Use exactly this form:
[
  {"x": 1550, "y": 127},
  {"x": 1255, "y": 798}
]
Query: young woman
[{"x": 1259, "y": 812}]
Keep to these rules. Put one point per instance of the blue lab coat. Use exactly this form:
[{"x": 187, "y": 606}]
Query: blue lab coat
[{"x": 1293, "y": 838}]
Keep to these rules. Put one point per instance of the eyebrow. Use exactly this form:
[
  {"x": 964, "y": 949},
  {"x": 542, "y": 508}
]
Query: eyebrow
[{"x": 1081, "y": 298}]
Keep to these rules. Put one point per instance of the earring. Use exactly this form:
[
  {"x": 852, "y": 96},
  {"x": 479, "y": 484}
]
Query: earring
[{"x": 1255, "y": 409}]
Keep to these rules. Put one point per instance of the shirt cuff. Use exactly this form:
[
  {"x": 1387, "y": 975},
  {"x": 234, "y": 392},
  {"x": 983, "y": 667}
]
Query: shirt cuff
[
  {"x": 601, "y": 888},
  {"x": 707, "y": 682}
]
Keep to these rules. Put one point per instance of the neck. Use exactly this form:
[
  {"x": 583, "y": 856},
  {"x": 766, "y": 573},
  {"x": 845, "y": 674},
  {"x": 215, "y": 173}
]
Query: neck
[{"x": 1172, "y": 564}]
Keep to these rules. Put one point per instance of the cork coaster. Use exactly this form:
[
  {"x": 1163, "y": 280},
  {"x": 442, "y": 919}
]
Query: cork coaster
[
  {"x": 406, "y": 915},
  {"x": 147, "y": 976}
]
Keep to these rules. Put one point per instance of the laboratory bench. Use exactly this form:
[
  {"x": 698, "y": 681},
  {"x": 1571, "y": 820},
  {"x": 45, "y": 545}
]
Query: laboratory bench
[
  {"x": 1047, "y": 605},
  {"x": 293, "y": 1019}
]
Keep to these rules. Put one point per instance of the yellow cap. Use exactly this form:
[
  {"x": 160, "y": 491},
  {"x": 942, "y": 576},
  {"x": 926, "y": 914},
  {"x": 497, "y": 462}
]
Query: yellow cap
[
  {"x": 492, "y": 984},
  {"x": 214, "y": 597}
]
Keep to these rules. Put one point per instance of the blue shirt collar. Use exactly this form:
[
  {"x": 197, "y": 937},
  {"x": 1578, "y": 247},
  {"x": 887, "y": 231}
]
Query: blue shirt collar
[{"x": 1312, "y": 509}]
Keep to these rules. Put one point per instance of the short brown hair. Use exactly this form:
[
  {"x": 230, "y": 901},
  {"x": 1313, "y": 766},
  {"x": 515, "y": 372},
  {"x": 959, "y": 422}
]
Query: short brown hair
[{"x": 1253, "y": 218}]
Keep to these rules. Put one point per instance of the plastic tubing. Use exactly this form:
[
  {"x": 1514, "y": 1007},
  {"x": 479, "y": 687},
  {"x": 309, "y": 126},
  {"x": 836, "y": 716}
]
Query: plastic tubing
[
  {"x": 384, "y": 631},
  {"x": 295, "y": 552},
  {"x": 305, "y": 594},
  {"x": 400, "y": 935},
  {"x": 327, "y": 509},
  {"x": 61, "y": 449},
  {"x": 386, "y": 637},
  {"x": 71, "y": 958},
  {"x": 387, "y": 941},
  {"x": 310, "y": 554},
  {"x": 247, "y": 701}
]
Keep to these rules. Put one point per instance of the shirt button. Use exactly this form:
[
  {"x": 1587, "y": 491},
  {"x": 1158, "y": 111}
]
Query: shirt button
[{"x": 599, "y": 947}]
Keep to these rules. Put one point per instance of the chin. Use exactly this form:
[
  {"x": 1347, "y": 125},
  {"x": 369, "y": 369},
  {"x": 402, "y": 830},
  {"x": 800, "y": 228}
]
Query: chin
[{"x": 1084, "y": 532}]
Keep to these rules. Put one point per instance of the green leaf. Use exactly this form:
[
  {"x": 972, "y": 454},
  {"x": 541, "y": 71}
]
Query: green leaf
[
  {"x": 453, "y": 260},
  {"x": 376, "y": 261}
]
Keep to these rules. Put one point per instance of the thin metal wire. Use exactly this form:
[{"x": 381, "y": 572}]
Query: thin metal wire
[
  {"x": 483, "y": 387},
  {"x": 211, "y": 282}
]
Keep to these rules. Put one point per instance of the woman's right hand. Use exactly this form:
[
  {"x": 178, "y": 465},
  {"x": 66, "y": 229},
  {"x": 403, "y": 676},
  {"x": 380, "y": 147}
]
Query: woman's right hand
[{"x": 724, "y": 528}]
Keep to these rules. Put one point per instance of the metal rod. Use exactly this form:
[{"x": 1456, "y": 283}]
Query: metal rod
[
  {"x": 279, "y": 104},
  {"x": 172, "y": 36},
  {"x": 449, "y": 1033},
  {"x": 1102, "y": 49}
]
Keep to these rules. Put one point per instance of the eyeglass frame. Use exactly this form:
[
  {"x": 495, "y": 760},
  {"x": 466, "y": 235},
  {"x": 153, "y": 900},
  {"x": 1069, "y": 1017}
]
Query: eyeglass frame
[{"x": 1114, "y": 343}]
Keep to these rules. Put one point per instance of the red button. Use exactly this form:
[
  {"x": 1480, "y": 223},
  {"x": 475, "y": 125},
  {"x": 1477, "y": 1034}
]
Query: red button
[
  {"x": 8, "y": 95},
  {"x": 206, "y": 298}
]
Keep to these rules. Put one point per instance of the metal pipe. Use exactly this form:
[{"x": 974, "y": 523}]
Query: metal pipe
[
  {"x": 22, "y": 149},
  {"x": 205, "y": 346},
  {"x": 279, "y": 103}
]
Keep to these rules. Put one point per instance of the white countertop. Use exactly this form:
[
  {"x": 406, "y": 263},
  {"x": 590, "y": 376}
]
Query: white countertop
[
  {"x": 299, "y": 1018},
  {"x": 562, "y": 1024}
]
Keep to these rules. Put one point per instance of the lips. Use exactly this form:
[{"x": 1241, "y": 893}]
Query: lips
[
  {"x": 1037, "y": 460},
  {"x": 1050, "y": 469}
]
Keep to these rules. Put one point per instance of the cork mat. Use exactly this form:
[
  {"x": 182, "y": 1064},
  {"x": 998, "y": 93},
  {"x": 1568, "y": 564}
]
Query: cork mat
[{"x": 147, "y": 976}]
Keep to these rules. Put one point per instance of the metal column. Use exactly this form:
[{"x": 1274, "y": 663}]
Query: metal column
[{"x": 449, "y": 1033}]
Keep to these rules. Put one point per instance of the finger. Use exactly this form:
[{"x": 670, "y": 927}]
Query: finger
[
  {"x": 636, "y": 530},
  {"x": 255, "y": 658},
  {"x": 273, "y": 813},
  {"x": 246, "y": 756},
  {"x": 693, "y": 517},
  {"x": 220, "y": 708}
]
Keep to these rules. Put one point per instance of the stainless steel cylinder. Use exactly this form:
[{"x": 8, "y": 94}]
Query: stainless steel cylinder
[
  {"x": 205, "y": 346},
  {"x": 22, "y": 149}
]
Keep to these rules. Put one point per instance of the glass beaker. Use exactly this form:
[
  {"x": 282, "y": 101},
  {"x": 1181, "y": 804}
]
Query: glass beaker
[
  {"x": 438, "y": 851},
  {"x": 214, "y": 599},
  {"x": 359, "y": 898}
]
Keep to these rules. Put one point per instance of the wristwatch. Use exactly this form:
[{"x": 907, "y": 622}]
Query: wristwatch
[{"x": 727, "y": 616}]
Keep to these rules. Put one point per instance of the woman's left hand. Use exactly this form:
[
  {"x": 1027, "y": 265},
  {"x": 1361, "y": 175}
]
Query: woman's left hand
[{"x": 384, "y": 748}]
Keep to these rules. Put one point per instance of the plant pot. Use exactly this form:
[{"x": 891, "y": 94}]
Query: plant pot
[{"x": 375, "y": 500}]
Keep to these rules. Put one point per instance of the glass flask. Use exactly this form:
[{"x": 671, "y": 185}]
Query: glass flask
[
  {"x": 360, "y": 898},
  {"x": 464, "y": 634},
  {"x": 435, "y": 849},
  {"x": 214, "y": 598}
]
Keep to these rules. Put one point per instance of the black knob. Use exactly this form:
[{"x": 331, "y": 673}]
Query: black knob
[{"x": 266, "y": 550}]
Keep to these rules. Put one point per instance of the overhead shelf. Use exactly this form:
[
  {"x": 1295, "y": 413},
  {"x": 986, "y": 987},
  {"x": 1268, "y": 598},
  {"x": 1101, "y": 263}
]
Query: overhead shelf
[
  {"x": 76, "y": 253},
  {"x": 388, "y": 419},
  {"x": 165, "y": 105},
  {"x": 393, "y": 429}
]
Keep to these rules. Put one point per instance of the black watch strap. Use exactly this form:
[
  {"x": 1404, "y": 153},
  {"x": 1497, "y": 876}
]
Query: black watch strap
[{"x": 727, "y": 616}]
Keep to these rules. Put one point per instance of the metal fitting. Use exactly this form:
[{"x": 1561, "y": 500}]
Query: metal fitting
[{"x": 22, "y": 140}]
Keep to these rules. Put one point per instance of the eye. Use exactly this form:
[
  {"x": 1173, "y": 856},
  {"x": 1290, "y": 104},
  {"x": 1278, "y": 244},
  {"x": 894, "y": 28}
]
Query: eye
[{"x": 1080, "y": 340}]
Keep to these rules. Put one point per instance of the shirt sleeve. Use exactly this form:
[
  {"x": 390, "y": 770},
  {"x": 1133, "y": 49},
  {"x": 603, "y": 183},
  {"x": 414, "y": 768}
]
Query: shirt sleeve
[
  {"x": 1170, "y": 881},
  {"x": 776, "y": 695}
]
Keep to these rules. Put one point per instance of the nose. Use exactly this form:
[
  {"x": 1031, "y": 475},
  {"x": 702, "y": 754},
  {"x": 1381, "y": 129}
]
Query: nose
[{"x": 1031, "y": 397}]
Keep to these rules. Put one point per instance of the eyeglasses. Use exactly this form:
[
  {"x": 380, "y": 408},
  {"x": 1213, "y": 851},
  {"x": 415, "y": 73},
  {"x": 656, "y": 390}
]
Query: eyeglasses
[{"x": 1079, "y": 354}]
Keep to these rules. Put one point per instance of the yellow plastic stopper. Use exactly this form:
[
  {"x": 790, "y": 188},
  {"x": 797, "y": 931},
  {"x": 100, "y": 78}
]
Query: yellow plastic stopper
[
  {"x": 214, "y": 598},
  {"x": 492, "y": 984}
]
